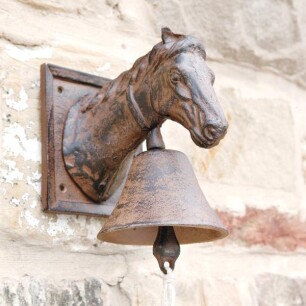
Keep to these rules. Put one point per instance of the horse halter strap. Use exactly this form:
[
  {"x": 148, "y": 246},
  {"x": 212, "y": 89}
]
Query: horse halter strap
[{"x": 136, "y": 111}]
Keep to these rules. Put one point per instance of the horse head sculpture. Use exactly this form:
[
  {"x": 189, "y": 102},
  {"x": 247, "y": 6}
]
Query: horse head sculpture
[{"x": 102, "y": 132}]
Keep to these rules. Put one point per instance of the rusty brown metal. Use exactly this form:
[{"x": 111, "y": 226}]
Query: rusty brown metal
[
  {"x": 155, "y": 140},
  {"x": 104, "y": 128},
  {"x": 61, "y": 88},
  {"x": 161, "y": 190},
  {"x": 92, "y": 126},
  {"x": 166, "y": 248}
]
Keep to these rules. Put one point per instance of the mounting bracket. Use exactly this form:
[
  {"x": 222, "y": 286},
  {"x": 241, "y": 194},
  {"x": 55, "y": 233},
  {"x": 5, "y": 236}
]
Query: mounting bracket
[{"x": 60, "y": 89}]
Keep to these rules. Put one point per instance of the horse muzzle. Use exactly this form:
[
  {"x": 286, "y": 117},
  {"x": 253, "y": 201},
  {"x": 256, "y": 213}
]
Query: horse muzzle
[
  {"x": 214, "y": 132},
  {"x": 210, "y": 135}
]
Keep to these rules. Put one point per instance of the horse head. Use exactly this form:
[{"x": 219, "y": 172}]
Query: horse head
[
  {"x": 182, "y": 88},
  {"x": 102, "y": 132}
]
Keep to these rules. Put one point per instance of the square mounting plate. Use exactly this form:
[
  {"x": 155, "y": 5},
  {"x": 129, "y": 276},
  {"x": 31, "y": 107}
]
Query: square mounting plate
[{"x": 60, "y": 89}]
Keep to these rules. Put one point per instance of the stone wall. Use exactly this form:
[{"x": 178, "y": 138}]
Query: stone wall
[{"x": 255, "y": 179}]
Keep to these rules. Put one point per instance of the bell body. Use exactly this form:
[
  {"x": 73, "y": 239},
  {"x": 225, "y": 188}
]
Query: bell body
[{"x": 162, "y": 190}]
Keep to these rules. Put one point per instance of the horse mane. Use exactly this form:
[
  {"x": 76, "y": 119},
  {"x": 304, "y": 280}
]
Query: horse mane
[{"x": 150, "y": 62}]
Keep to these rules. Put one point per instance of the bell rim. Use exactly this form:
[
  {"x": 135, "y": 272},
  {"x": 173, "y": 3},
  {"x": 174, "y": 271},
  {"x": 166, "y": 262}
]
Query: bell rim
[{"x": 222, "y": 232}]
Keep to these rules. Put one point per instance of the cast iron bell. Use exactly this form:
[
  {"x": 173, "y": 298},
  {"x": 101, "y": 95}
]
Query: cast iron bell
[{"x": 162, "y": 202}]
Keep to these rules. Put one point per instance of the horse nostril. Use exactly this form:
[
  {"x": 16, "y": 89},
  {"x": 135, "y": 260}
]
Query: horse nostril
[
  {"x": 210, "y": 132},
  {"x": 213, "y": 132}
]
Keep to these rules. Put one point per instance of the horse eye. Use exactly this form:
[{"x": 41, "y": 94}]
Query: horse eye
[{"x": 175, "y": 77}]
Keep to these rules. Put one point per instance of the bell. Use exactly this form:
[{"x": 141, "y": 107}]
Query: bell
[{"x": 162, "y": 201}]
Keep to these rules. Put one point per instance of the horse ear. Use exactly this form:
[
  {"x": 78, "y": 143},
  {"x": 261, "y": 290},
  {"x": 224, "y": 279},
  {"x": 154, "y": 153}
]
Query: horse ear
[{"x": 167, "y": 35}]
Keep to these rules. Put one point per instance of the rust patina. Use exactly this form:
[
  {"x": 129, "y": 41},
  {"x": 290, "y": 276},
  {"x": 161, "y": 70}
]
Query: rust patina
[
  {"x": 162, "y": 205},
  {"x": 103, "y": 130}
]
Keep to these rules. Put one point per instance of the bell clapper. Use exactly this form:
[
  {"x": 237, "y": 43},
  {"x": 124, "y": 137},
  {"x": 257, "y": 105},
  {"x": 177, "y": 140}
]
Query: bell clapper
[{"x": 166, "y": 249}]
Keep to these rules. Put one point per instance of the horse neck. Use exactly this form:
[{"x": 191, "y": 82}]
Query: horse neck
[
  {"x": 116, "y": 104},
  {"x": 138, "y": 94},
  {"x": 131, "y": 90}
]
